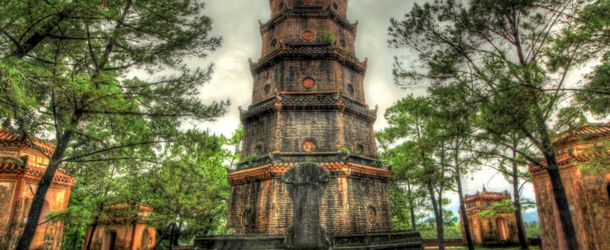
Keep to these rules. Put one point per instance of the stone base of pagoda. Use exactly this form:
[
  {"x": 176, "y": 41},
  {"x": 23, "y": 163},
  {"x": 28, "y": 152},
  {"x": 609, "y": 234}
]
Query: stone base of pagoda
[
  {"x": 380, "y": 240},
  {"x": 355, "y": 199},
  {"x": 311, "y": 201}
]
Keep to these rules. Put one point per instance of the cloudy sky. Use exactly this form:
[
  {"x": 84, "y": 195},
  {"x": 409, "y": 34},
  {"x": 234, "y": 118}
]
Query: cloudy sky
[{"x": 237, "y": 21}]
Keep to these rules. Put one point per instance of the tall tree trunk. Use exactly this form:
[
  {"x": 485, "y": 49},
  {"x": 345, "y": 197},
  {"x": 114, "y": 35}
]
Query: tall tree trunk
[
  {"x": 90, "y": 237},
  {"x": 100, "y": 208},
  {"x": 178, "y": 234},
  {"x": 411, "y": 207},
  {"x": 160, "y": 239},
  {"x": 559, "y": 193},
  {"x": 465, "y": 221},
  {"x": 441, "y": 222},
  {"x": 561, "y": 200},
  {"x": 171, "y": 236},
  {"x": 45, "y": 182},
  {"x": 208, "y": 228},
  {"x": 412, "y": 214},
  {"x": 171, "y": 239},
  {"x": 437, "y": 218},
  {"x": 440, "y": 230},
  {"x": 517, "y": 203}
]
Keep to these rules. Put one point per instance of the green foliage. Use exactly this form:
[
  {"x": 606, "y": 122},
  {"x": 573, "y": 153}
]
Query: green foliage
[
  {"x": 330, "y": 38},
  {"x": 414, "y": 143},
  {"x": 595, "y": 95},
  {"x": 597, "y": 163},
  {"x": 505, "y": 206},
  {"x": 186, "y": 186},
  {"x": 107, "y": 81},
  {"x": 189, "y": 189},
  {"x": 589, "y": 31},
  {"x": 533, "y": 229},
  {"x": 452, "y": 228},
  {"x": 508, "y": 64},
  {"x": 402, "y": 197}
]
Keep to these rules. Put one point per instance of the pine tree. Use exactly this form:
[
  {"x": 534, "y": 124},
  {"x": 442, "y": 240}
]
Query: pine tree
[{"x": 65, "y": 72}]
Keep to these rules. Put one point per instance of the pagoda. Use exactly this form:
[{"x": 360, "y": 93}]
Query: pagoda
[
  {"x": 497, "y": 229},
  {"x": 309, "y": 177},
  {"x": 23, "y": 160},
  {"x": 583, "y": 156}
]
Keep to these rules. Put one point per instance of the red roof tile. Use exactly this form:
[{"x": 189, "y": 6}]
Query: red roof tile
[
  {"x": 585, "y": 132},
  {"x": 11, "y": 137}
]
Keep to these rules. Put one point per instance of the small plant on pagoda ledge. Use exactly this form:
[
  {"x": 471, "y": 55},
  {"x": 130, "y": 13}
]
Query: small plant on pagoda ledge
[
  {"x": 330, "y": 38},
  {"x": 345, "y": 150}
]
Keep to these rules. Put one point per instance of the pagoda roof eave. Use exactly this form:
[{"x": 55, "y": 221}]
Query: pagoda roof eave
[
  {"x": 309, "y": 101},
  {"x": 309, "y": 12},
  {"x": 14, "y": 165},
  {"x": 275, "y": 170},
  {"x": 590, "y": 130},
  {"x": 10, "y": 137},
  {"x": 313, "y": 52}
]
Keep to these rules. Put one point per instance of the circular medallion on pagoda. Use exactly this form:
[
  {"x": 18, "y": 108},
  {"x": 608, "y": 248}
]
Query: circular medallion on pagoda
[
  {"x": 309, "y": 35},
  {"x": 309, "y": 83},
  {"x": 309, "y": 146}
]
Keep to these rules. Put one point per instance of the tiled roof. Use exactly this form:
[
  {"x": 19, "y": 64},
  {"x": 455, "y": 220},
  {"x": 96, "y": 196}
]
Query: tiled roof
[
  {"x": 11, "y": 137},
  {"x": 568, "y": 155},
  {"x": 12, "y": 165},
  {"x": 487, "y": 195},
  {"x": 585, "y": 132}
]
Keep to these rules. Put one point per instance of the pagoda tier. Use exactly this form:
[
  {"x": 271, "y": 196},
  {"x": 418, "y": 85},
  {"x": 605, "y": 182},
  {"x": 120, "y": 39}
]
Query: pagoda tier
[{"x": 287, "y": 121}]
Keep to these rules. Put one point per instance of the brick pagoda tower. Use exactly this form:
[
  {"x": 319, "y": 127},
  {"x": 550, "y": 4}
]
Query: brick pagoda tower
[
  {"x": 309, "y": 106},
  {"x": 583, "y": 155}
]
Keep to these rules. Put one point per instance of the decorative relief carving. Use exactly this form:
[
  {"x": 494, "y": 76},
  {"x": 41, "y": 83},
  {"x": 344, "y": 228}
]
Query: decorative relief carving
[
  {"x": 350, "y": 90},
  {"x": 371, "y": 214},
  {"x": 273, "y": 43}
]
